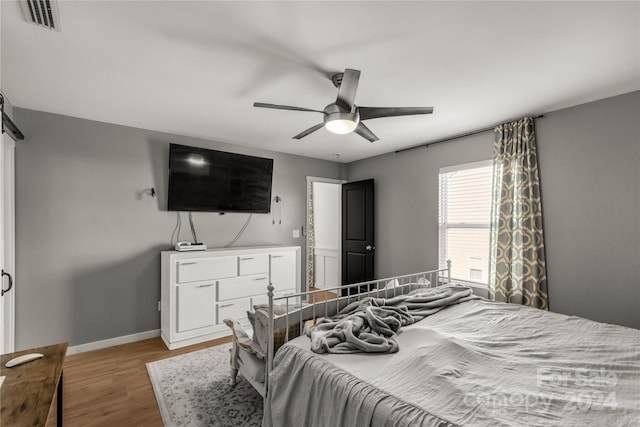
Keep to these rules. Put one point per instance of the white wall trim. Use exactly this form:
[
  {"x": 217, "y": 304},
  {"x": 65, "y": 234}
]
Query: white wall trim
[
  {"x": 334, "y": 252},
  {"x": 325, "y": 180},
  {"x": 126, "y": 339}
]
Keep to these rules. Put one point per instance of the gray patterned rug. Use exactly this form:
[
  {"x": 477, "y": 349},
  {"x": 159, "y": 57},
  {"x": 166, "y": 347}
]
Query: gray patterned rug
[{"x": 193, "y": 390}]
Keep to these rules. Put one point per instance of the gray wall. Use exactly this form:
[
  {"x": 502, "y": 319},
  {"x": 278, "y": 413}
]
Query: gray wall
[
  {"x": 589, "y": 160},
  {"x": 88, "y": 243}
]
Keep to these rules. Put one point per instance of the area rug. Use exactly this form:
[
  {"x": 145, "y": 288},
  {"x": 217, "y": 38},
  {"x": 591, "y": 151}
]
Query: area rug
[{"x": 193, "y": 390}]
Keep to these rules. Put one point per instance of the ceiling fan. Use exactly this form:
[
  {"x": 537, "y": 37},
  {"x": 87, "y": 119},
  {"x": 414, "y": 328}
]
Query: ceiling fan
[{"x": 344, "y": 116}]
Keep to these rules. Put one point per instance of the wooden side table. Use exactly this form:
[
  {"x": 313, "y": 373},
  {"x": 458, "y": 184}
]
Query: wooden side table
[{"x": 26, "y": 395}]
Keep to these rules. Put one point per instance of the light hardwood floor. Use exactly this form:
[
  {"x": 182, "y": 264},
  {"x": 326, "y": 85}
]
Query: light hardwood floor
[
  {"x": 111, "y": 387},
  {"x": 321, "y": 296}
]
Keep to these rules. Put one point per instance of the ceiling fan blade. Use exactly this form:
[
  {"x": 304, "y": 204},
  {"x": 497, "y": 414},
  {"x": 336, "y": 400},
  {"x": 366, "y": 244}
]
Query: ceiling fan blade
[
  {"x": 308, "y": 131},
  {"x": 284, "y": 107},
  {"x": 376, "y": 112},
  {"x": 365, "y": 132},
  {"x": 348, "y": 88}
]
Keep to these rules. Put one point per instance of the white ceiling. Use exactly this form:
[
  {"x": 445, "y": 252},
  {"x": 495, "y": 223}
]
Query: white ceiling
[{"x": 195, "y": 68}]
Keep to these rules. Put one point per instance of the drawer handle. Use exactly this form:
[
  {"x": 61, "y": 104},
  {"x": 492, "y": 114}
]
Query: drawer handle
[
  {"x": 260, "y": 278},
  {"x": 246, "y": 259},
  {"x": 225, "y": 305},
  {"x": 189, "y": 263},
  {"x": 277, "y": 256},
  {"x": 205, "y": 286}
]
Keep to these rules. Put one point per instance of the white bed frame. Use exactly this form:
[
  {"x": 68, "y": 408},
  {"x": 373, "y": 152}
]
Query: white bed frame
[{"x": 379, "y": 288}]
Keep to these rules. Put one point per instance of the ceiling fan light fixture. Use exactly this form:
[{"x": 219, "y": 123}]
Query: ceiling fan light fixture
[
  {"x": 341, "y": 123},
  {"x": 343, "y": 116},
  {"x": 341, "y": 127}
]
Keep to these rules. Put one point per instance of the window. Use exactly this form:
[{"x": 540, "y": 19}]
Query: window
[{"x": 464, "y": 217}]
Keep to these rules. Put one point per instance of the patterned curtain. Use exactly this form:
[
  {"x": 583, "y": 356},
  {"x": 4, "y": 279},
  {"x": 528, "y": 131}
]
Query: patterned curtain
[
  {"x": 517, "y": 269},
  {"x": 310, "y": 234}
]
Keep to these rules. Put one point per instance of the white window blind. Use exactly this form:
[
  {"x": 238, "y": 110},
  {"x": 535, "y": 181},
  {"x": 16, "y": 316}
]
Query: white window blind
[{"x": 464, "y": 218}]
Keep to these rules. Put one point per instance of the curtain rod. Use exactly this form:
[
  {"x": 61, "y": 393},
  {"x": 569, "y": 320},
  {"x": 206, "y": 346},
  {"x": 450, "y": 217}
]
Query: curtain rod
[
  {"x": 6, "y": 121},
  {"x": 463, "y": 135}
]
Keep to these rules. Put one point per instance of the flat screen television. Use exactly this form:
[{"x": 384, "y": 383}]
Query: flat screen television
[{"x": 216, "y": 181}]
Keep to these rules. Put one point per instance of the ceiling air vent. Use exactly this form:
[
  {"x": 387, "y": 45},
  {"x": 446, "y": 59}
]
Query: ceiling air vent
[{"x": 43, "y": 13}]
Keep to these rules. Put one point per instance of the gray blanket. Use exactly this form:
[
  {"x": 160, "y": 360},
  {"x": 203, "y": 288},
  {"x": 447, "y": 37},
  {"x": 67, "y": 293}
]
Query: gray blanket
[{"x": 370, "y": 325}]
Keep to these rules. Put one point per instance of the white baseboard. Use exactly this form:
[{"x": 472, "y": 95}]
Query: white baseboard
[{"x": 97, "y": 345}]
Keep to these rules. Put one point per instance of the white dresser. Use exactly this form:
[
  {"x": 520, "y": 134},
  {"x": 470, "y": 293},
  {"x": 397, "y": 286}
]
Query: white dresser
[{"x": 200, "y": 289}]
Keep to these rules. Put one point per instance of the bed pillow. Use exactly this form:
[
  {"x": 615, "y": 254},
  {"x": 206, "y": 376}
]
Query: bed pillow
[
  {"x": 277, "y": 309},
  {"x": 251, "y": 315},
  {"x": 392, "y": 284},
  {"x": 261, "y": 328},
  {"x": 422, "y": 282}
]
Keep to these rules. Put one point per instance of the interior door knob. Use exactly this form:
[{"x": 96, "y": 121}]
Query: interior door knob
[{"x": 369, "y": 247}]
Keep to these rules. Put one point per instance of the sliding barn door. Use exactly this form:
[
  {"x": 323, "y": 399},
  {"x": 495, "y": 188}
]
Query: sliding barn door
[{"x": 7, "y": 244}]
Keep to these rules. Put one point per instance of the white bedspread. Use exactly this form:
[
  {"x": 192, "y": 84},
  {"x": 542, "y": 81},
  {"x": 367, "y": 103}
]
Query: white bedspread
[{"x": 478, "y": 363}]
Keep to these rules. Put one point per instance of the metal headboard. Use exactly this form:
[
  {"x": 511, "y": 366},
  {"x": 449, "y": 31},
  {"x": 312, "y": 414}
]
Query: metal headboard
[{"x": 305, "y": 306}]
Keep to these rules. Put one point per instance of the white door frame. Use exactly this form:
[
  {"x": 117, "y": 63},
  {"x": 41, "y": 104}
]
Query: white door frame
[
  {"x": 311, "y": 179},
  {"x": 7, "y": 243}
]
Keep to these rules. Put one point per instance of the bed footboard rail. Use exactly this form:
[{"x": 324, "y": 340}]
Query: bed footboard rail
[{"x": 307, "y": 308}]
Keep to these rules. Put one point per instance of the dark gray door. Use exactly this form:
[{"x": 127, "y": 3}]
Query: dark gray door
[{"x": 357, "y": 232}]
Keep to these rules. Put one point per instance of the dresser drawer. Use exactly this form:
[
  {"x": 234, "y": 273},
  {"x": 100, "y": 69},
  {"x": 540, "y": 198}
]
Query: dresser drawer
[
  {"x": 236, "y": 310},
  {"x": 244, "y": 286},
  {"x": 253, "y": 264},
  {"x": 196, "y": 269}
]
